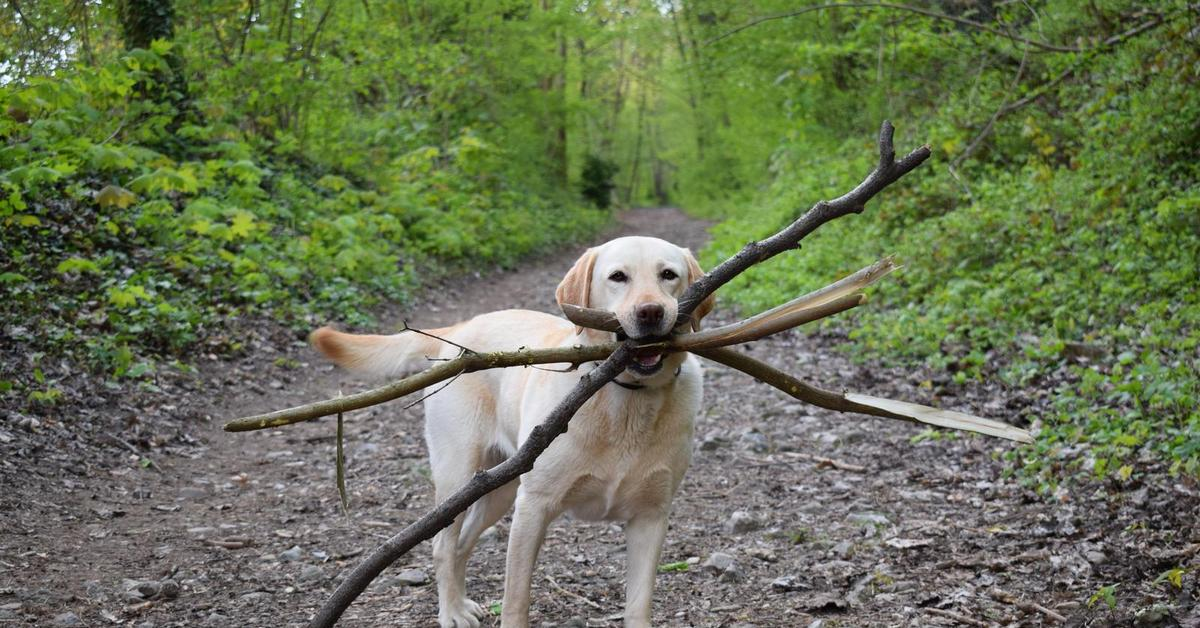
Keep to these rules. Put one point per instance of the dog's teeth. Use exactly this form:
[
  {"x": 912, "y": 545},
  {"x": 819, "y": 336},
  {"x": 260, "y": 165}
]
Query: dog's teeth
[{"x": 649, "y": 360}]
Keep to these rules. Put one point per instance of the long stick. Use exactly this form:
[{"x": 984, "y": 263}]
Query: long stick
[
  {"x": 745, "y": 331},
  {"x": 862, "y": 404},
  {"x": 468, "y": 363}
]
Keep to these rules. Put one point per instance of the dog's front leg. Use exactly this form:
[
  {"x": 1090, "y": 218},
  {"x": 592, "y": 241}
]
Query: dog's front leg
[
  {"x": 530, "y": 519},
  {"x": 644, "y": 536}
]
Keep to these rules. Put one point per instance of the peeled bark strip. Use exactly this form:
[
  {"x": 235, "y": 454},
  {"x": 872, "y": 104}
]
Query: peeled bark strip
[{"x": 863, "y": 404}]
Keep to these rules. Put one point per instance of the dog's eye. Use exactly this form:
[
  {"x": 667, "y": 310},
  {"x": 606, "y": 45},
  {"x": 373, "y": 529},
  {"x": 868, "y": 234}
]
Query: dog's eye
[
  {"x": 618, "y": 277},
  {"x": 668, "y": 274}
]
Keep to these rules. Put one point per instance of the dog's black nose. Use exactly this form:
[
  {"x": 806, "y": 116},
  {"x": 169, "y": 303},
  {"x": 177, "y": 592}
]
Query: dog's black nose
[{"x": 650, "y": 314}]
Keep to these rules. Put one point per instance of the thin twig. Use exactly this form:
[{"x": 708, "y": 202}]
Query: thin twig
[
  {"x": 935, "y": 15},
  {"x": 438, "y": 390},
  {"x": 558, "y": 587},
  {"x": 962, "y": 619},
  {"x": 987, "y": 128},
  {"x": 862, "y": 404},
  {"x": 822, "y": 461},
  {"x": 465, "y": 350},
  {"x": 1028, "y": 607}
]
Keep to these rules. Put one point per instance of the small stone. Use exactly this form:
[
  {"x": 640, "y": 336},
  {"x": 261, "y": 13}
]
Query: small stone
[
  {"x": 192, "y": 492},
  {"x": 217, "y": 620},
  {"x": 1156, "y": 615},
  {"x": 718, "y": 562},
  {"x": 256, "y": 596},
  {"x": 310, "y": 573},
  {"x": 825, "y": 603},
  {"x": 762, "y": 554},
  {"x": 412, "y": 577},
  {"x": 843, "y": 550},
  {"x": 67, "y": 619},
  {"x": 31, "y": 424},
  {"x": 292, "y": 554},
  {"x": 168, "y": 589},
  {"x": 788, "y": 583},
  {"x": 741, "y": 522},
  {"x": 731, "y": 574},
  {"x": 755, "y": 441},
  {"x": 713, "y": 440}
]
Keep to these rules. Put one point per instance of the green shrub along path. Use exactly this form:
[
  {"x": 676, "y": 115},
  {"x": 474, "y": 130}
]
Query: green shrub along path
[{"x": 184, "y": 184}]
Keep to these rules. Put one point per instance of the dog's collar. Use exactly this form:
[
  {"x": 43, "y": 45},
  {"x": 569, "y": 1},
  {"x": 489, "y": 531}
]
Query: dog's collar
[{"x": 636, "y": 386}]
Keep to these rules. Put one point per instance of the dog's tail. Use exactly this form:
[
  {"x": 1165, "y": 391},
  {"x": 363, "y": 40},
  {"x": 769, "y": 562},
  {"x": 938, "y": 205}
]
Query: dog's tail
[{"x": 383, "y": 356}]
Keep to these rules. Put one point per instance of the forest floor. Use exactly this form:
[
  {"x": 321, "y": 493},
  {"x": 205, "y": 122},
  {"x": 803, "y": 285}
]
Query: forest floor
[{"x": 142, "y": 512}]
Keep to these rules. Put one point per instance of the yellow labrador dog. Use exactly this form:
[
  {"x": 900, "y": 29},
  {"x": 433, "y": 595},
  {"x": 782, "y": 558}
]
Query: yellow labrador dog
[{"x": 627, "y": 448}]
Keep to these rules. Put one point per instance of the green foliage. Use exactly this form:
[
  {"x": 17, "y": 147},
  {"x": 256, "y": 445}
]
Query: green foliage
[
  {"x": 310, "y": 179},
  {"x": 1063, "y": 253}
]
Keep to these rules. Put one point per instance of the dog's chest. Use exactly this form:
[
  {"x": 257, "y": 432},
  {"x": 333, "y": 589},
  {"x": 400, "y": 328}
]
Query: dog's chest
[{"x": 633, "y": 464}]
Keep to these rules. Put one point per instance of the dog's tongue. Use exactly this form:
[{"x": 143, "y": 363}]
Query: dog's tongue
[{"x": 648, "y": 359}]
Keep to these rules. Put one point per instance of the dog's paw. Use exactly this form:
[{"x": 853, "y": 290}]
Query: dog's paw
[{"x": 465, "y": 615}]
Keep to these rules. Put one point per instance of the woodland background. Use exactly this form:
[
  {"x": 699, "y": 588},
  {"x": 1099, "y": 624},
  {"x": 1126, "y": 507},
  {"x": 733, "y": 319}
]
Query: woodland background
[{"x": 171, "y": 171}]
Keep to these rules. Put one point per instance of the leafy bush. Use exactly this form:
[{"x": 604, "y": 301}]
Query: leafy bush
[{"x": 117, "y": 255}]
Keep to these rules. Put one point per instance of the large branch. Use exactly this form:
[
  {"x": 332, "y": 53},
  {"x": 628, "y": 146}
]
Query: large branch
[
  {"x": 832, "y": 299},
  {"x": 862, "y": 404},
  {"x": 481, "y": 484},
  {"x": 885, "y": 173}
]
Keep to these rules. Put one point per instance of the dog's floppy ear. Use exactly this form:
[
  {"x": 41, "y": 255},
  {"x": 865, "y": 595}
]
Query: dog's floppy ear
[
  {"x": 576, "y": 287},
  {"x": 694, "y": 274}
]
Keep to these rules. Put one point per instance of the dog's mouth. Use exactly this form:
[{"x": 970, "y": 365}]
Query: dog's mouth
[{"x": 646, "y": 361}]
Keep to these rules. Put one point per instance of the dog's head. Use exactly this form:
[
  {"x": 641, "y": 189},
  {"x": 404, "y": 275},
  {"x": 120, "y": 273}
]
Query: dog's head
[{"x": 640, "y": 280}]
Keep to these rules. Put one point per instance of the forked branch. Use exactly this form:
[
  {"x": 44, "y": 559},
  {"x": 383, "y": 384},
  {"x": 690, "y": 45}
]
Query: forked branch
[{"x": 885, "y": 173}]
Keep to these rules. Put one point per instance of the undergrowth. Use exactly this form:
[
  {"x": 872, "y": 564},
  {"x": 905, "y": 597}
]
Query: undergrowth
[
  {"x": 1067, "y": 254},
  {"x": 128, "y": 245}
]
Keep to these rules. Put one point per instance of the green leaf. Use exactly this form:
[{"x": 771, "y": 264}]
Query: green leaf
[
  {"x": 242, "y": 225},
  {"x": 669, "y": 567},
  {"x": 77, "y": 265},
  {"x": 115, "y": 196}
]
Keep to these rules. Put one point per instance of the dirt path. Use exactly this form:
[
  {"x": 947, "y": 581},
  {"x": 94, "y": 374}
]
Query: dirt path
[{"x": 896, "y": 533}]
